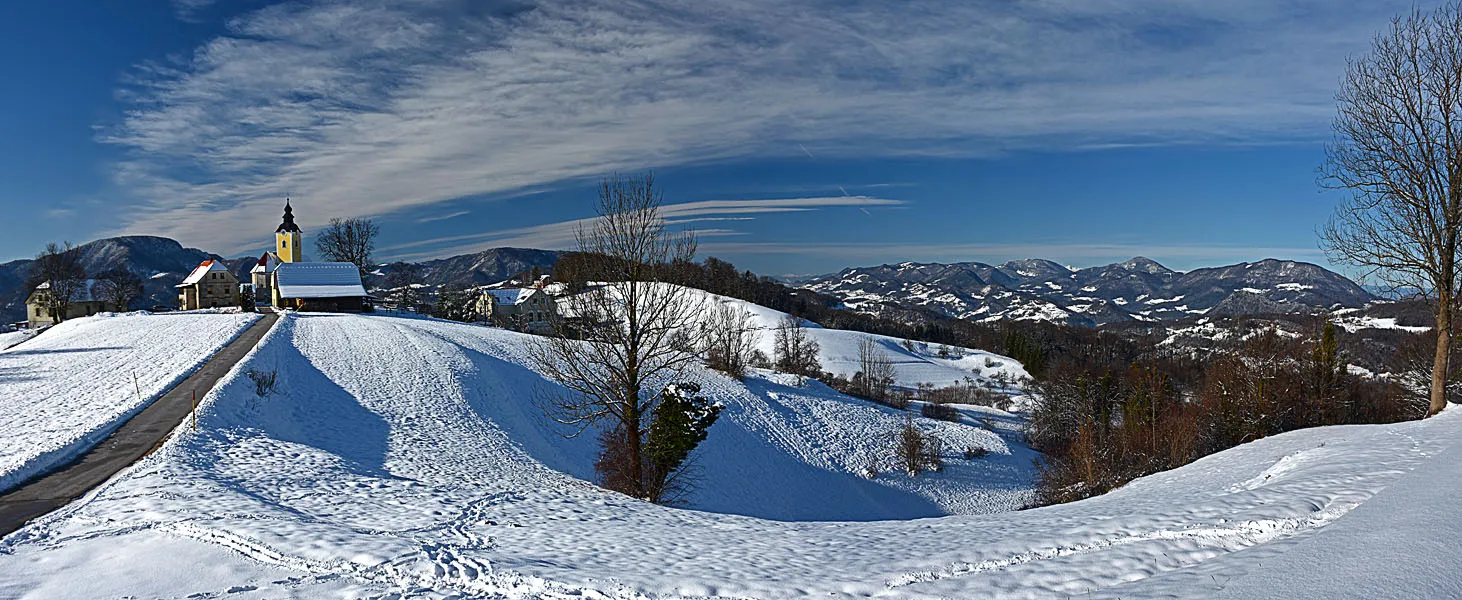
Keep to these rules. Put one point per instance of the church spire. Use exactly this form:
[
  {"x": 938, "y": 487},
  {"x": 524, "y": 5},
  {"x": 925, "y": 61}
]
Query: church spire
[{"x": 288, "y": 225}]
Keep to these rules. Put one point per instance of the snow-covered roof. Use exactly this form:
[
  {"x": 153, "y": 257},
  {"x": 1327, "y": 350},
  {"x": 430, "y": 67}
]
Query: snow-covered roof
[
  {"x": 512, "y": 296},
  {"x": 87, "y": 292},
  {"x": 203, "y": 268},
  {"x": 319, "y": 280}
]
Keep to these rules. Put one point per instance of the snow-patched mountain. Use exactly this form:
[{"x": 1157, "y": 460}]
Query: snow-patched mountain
[
  {"x": 1139, "y": 289},
  {"x": 481, "y": 268},
  {"x": 160, "y": 262}
]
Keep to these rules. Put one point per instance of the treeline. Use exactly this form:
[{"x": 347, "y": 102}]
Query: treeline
[{"x": 1102, "y": 423}]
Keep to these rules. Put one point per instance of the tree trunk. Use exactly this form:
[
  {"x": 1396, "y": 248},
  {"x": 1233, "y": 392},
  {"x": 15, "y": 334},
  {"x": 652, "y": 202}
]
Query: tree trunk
[
  {"x": 1440, "y": 365},
  {"x": 632, "y": 429}
]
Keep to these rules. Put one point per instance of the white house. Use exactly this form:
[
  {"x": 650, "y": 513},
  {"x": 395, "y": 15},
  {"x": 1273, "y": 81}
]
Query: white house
[{"x": 528, "y": 309}]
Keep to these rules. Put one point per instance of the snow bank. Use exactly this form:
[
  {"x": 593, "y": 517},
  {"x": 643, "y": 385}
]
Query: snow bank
[{"x": 72, "y": 385}]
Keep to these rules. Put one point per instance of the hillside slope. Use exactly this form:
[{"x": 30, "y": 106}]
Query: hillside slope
[{"x": 405, "y": 458}]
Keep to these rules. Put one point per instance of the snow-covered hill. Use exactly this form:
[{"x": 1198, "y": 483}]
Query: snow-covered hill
[
  {"x": 914, "y": 362},
  {"x": 404, "y": 458},
  {"x": 70, "y": 386},
  {"x": 1136, "y": 290}
]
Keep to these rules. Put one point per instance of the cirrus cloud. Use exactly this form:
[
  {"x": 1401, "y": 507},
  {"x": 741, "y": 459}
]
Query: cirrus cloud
[{"x": 374, "y": 107}]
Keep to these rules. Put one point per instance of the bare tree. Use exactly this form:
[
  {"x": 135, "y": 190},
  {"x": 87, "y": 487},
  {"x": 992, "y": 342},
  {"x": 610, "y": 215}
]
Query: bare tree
[
  {"x": 917, "y": 451},
  {"x": 120, "y": 287},
  {"x": 793, "y": 351},
  {"x": 1397, "y": 150},
  {"x": 633, "y": 327},
  {"x": 728, "y": 338},
  {"x": 875, "y": 371},
  {"x": 58, "y": 267},
  {"x": 349, "y": 240}
]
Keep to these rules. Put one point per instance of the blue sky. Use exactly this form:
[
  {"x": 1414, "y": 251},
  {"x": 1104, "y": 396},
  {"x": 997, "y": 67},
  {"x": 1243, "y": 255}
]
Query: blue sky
[{"x": 797, "y": 137}]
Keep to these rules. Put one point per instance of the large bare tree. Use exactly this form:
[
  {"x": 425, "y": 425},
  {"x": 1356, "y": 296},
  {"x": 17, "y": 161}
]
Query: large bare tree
[
  {"x": 1397, "y": 150},
  {"x": 59, "y": 267},
  {"x": 349, "y": 240},
  {"x": 631, "y": 327},
  {"x": 119, "y": 287}
]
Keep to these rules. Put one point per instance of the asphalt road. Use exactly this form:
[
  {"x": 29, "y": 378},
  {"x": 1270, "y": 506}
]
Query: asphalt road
[{"x": 136, "y": 438}]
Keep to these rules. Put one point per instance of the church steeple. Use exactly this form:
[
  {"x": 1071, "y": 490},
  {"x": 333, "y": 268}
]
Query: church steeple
[
  {"x": 287, "y": 238},
  {"x": 288, "y": 224}
]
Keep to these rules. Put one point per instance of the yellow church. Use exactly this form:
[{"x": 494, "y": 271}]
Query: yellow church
[{"x": 284, "y": 279}]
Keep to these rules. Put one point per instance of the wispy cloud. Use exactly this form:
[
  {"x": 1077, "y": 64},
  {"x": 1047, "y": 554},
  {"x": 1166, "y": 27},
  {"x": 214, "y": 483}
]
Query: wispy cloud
[
  {"x": 1079, "y": 254},
  {"x": 374, "y": 107},
  {"x": 451, "y": 215},
  {"x": 562, "y": 235}
]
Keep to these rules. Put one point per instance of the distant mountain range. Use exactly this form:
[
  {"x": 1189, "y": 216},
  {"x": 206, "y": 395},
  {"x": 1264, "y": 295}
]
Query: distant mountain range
[
  {"x": 163, "y": 263},
  {"x": 1136, "y": 290}
]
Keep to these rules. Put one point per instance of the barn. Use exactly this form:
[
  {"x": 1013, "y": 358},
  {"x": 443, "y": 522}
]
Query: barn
[{"x": 319, "y": 286}]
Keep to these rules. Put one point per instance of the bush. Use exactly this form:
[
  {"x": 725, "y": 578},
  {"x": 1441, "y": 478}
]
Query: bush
[
  {"x": 943, "y": 412},
  {"x": 679, "y": 423},
  {"x": 264, "y": 382},
  {"x": 974, "y": 452},
  {"x": 917, "y": 451}
]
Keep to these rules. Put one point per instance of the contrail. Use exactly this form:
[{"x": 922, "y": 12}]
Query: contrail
[{"x": 804, "y": 149}]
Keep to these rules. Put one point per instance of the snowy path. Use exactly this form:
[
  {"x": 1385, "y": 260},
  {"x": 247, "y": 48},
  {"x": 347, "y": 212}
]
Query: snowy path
[
  {"x": 405, "y": 458},
  {"x": 66, "y": 389}
]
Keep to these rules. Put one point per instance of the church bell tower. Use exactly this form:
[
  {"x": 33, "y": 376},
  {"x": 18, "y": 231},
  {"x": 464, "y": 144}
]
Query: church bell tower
[{"x": 287, "y": 238}]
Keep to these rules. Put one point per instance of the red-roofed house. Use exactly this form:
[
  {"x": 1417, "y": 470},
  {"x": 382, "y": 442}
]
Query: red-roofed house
[{"x": 210, "y": 285}]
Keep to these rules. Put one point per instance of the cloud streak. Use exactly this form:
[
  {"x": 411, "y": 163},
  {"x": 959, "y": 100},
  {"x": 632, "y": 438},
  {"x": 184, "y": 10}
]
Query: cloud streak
[
  {"x": 561, "y": 235},
  {"x": 373, "y": 108},
  {"x": 1178, "y": 256}
]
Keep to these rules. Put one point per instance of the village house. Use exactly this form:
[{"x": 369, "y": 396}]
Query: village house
[
  {"x": 210, "y": 285},
  {"x": 86, "y": 301},
  {"x": 526, "y": 309},
  {"x": 260, "y": 278}
]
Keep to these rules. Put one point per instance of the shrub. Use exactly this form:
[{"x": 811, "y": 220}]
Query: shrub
[
  {"x": 974, "y": 452},
  {"x": 264, "y": 382},
  {"x": 943, "y": 412},
  {"x": 679, "y": 423},
  {"x": 917, "y": 451}
]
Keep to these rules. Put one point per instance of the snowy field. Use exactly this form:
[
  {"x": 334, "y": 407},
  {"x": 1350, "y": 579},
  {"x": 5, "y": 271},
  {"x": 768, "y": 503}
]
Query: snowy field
[
  {"x": 65, "y": 390},
  {"x": 403, "y": 458}
]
